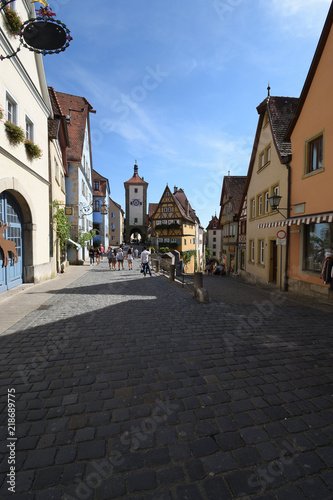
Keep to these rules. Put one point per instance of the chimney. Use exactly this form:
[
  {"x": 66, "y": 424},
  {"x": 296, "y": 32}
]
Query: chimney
[{"x": 175, "y": 189}]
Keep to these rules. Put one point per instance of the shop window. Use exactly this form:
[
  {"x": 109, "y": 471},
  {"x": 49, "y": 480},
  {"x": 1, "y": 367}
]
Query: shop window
[{"x": 318, "y": 242}]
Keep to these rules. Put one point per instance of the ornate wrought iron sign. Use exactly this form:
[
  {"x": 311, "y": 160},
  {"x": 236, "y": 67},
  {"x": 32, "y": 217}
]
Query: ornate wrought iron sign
[{"x": 43, "y": 34}]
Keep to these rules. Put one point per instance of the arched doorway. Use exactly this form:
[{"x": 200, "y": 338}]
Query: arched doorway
[
  {"x": 11, "y": 270},
  {"x": 136, "y": 237}
]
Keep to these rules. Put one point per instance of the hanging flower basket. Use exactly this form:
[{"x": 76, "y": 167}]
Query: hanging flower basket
[
  {"x": 13, "y": 21},
  {"x": 14, "y": 133},
  {"x": 33, "y": 151}
]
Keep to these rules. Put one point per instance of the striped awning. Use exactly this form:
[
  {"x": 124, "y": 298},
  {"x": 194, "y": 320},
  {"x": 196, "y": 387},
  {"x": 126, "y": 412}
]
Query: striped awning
[{"x": 305, "y": 219}]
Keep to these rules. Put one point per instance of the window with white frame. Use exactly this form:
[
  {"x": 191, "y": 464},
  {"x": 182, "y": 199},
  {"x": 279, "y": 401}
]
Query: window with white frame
[
  {"x": 11, "y": 109},
  {"x": 262, "y": 251},
  {"x": 252, "y": 250},
  {"x": 29, "y": 129},
  {"x": 266, "y": 202},
  {"x": 276, "y": 190},
  {"x": 253, "y": 208},
  {"x": 112, "y": 215},
  {"x": 260, "y": 205}
]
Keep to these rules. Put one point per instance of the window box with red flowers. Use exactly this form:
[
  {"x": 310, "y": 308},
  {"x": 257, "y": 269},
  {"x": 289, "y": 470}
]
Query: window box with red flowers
[
  {"x": 14, "y": 133},
  {"x": 33, "y": 151},
  {"x": 13, "y": 21}
]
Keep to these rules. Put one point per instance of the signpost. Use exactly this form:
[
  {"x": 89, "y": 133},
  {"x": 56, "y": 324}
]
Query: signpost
[{"x": 281, "y": 239}]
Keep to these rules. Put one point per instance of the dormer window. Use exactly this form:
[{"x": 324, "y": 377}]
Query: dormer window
[{"x": 96, "y": 185}]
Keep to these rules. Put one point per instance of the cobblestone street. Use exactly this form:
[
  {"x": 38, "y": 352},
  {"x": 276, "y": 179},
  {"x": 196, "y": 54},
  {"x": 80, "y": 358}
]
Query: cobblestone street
[{"x": 127, "y": 387}]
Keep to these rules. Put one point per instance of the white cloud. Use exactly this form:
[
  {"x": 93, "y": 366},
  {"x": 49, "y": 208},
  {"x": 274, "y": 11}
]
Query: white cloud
[{"x": 301, "y": 18}]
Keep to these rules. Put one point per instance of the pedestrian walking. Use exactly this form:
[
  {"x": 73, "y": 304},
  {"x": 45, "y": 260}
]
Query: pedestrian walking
[
  {"x": 114, "y": 259},
  {"x": 101, "y": 249},
  {"x": 145, "y": 261},
  {"x": 98, "y": 256},
  {"x": 110, "y": 254},
  {"x": 120, "y": 258},
  {"x": 136, "y": 253},
  {"x": 130, "y": 258},
  {"x": 92, "y": 255}
]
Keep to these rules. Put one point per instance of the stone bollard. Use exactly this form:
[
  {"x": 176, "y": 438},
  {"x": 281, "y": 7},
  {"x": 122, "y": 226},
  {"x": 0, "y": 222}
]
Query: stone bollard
[
  {"x": 200, "y": 293},
  {"x": 157, "y": 265},
  {"x": 172, "y": 272},
  {"x": 198, "y": 281}
]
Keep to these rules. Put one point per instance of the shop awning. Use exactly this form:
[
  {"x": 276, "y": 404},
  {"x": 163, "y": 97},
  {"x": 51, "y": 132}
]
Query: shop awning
[
  {"x": 78, "y": 246},
  {"x": 305, "y": 219}
]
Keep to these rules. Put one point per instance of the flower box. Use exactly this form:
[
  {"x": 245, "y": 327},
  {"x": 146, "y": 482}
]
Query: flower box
[
  {"x": 14, "y": 133},
  {"x": 13, "y": 21},
  {"x": 33, "y": 151}
]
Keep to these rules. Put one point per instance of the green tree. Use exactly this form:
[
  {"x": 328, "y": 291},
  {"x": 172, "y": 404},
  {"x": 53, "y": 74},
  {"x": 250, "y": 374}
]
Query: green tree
[{"x": 60, "y": 224}]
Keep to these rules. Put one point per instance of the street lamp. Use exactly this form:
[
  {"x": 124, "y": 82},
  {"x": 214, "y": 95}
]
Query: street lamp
[{"x": 274, "y": 202}]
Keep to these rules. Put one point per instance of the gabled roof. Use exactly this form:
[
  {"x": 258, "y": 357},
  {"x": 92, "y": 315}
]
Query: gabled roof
[
  {"x": 184, "y": 206},
  {"x": 103, "y": 184},
  {"x": 233, "y": 189},
  {"x": 312, "y": 71},
  {"x": 136, "y": 179},
  {"x": 214, "y": 220},
  {"x": 77, "y": 110},
  {"x": 182, "y": 203},
  {"x": 152, "y": 207},
  {"x": 281, "y": 111},
  {"x": 117, "y": 205}
]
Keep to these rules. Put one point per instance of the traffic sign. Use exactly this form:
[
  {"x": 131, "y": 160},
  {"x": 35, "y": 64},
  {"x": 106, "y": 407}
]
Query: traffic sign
[{"x": 281, "y": 237}]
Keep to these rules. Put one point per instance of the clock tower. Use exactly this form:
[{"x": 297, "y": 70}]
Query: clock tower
[{"x": 136, "y": 206}]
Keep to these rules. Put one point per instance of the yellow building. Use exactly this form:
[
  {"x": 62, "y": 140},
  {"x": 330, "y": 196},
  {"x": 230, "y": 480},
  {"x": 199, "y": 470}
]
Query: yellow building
[
  {"x": 175, "y": 225},
  {"x": 268, "y": 175}
]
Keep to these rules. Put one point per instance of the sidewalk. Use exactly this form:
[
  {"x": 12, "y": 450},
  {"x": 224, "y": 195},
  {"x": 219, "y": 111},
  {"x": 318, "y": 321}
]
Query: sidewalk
[{"x": 16, "y": 303}]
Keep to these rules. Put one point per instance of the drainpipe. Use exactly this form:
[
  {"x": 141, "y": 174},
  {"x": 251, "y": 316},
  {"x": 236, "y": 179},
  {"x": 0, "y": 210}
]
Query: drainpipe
[{"x": 286, "y": 277}]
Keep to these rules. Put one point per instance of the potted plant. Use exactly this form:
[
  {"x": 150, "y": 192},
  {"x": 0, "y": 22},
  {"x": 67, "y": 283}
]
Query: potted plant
[
  {"x": 33, "y": 151},
  {"x": 15, "y": 133},
  {"x": 62, "y": 268},
  {"x": 13, "y": 21}
]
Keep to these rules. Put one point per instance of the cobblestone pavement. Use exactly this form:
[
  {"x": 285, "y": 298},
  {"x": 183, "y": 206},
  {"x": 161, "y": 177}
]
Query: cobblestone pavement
[{"x": 126, "y": 387}]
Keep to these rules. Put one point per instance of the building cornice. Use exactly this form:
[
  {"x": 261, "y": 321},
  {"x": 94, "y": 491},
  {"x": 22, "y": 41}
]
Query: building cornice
[{"x": 23, "y": 165}]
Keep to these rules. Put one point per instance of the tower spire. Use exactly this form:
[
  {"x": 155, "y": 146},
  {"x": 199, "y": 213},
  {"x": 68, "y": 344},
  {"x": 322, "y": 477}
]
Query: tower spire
[
  {"x": 268, "y": 90},
  {"x": 136, "y": 168}
]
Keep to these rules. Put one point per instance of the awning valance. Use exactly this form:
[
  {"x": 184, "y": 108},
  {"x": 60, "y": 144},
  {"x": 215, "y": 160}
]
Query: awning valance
[{"x": 305, "y": 219}]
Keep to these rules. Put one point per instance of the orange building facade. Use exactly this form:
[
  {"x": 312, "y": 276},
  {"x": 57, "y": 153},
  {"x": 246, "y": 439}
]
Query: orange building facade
[{"x": 310, "y": 224}]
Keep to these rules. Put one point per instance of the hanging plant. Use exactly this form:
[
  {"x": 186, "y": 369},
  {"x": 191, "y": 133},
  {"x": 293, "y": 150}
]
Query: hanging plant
[
  {"x": 13, "y": 21},
  {"x": 15, "y": 133},
  {"x": 33, "y": 151},
  {"x": 61, "y": 225},
  {"x": 1, "y": 113}
]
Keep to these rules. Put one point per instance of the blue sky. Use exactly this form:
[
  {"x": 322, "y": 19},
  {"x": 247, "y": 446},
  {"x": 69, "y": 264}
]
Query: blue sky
[{"x": 176, "y": 83}]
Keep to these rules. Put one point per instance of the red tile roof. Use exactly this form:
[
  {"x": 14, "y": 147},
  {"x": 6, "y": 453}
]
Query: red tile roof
[
  {"x": 77, "y": 108},
  {"x": 136, "y": 179}
]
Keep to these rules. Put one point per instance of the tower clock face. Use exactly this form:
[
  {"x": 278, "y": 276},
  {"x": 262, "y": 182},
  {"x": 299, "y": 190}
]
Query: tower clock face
[{"x": 136, "y": 202}]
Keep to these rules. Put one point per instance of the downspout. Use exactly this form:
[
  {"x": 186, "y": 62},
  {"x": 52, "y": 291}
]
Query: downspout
[{"x": 286, "y": 277}]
